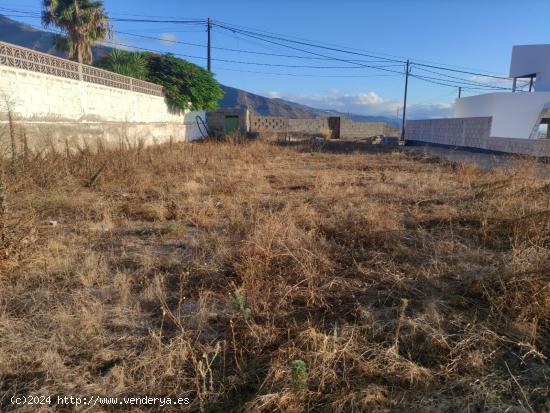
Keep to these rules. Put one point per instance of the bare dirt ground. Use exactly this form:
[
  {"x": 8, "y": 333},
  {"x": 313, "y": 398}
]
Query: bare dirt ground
[{"x": 260, "y": 278}]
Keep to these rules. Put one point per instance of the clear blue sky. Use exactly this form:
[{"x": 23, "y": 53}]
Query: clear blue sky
[{"x": 474, "y": 34}]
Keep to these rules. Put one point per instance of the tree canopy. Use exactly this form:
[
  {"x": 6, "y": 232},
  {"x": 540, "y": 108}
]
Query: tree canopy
[
  {"x": 84, "y": 23},
  {"x": 186, "y": 85}
]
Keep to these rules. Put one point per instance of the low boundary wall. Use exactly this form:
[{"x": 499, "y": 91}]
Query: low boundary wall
[
  {"x": 274, "y": 124},
  {"x": 472, "y": 133},
  {"x": 348, "y": 128},
  {"x": 57, "y": 102}
]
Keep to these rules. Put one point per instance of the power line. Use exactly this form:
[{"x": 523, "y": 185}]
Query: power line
[
  {"x": 117, "y": 19},
  {"x": 305, "y": 75},
  {"x": 442, "y": 82},
  {"x": 309, "y": 44},
  {"x": 263, "y": 37},
  {"x": 294, "y": 37},
  {"x": 234, "y": 61},
  {"x": 438, "y": 81},
  {"x": 403, "y": 59},
  {"x": 318, "y": 54},
  {"x": 462, "y": 80},
  {"x": 258, "y": 35},
  {"x": 250, "y": 71},
  {"x": 448, "y": 81},
  {"x": 278, "y": 37},
  {"x": 463, "y": 71},
  {"x": 245, "y": 51}
]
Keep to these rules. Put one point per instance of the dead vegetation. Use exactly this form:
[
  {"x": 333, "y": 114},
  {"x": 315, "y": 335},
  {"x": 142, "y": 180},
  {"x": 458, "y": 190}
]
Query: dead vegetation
[{"x": 260, "y": 278}]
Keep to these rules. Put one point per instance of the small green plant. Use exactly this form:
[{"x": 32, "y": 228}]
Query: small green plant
[
  {"x": 239, "y": 300},
  {"x": 298, "y": 375}
]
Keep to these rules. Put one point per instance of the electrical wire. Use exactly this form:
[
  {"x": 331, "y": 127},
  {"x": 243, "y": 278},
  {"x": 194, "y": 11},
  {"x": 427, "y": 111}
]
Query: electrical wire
[
  {"x": 303, "y": 75},
  {"x": 240, "y": 50},
  {"x": 443, "y": 79}
]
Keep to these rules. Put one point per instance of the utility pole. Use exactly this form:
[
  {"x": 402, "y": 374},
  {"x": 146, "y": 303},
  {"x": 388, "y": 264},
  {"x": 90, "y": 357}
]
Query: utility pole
[
  {"x": 460, "y": 92},
  {"x": 531, "y": 84},
  {"x": 209, "y": 45},
  {"x": 407, "y": 71}
]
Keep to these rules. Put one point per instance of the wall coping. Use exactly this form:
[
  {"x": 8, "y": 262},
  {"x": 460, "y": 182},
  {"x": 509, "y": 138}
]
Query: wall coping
[{"x": 34, "y": 61}]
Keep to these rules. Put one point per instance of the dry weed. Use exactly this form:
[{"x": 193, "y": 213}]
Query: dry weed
[{"x": 205, "y": 270}]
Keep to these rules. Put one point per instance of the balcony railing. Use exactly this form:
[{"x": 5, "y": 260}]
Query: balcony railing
[{"x": 27, "y": 59}]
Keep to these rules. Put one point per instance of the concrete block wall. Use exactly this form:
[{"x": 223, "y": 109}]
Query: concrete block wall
[
  {"x": 350, "y": 129},
  {"x": 452, "y": 131},
  {"x": 268, "y": 124},
  {"x": 472, "y": 133},
  {"x": 55, "y": 110},
  {"x": 307, "y": 126},
  {"x": 274, "y": 124}
]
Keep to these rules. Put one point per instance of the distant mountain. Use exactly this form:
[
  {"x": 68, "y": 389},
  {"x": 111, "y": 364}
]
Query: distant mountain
[
  {"x": 24, "y": 35},
  {"x": 280, "y": 107}
]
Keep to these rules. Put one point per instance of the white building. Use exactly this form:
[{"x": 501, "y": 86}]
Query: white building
[{"x": 518, "y": 114}]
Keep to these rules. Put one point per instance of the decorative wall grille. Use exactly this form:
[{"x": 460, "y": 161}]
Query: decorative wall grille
[{"x": 23, "y": 58}]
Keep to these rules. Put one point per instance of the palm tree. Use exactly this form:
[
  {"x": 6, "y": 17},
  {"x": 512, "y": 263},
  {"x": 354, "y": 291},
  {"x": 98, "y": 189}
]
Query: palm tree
[
  {"x": 84, "y": 23},
  {"x": 133, "y": 64}
]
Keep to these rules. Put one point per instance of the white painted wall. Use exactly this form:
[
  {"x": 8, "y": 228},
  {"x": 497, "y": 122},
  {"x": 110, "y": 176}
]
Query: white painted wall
[
  {"x": 532, "y": 59},
  {"x": 41, "y": 98},
  {"x": 514, "y": 114},
  {"x": 192, "y": 131}
]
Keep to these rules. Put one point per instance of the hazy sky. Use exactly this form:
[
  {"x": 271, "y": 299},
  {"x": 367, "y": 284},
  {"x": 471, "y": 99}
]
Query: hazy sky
[{"x": 473, "y": 34}]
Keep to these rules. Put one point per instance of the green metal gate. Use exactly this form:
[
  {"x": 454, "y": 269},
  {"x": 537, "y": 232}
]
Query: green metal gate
[{"x": 231, "y": 124}]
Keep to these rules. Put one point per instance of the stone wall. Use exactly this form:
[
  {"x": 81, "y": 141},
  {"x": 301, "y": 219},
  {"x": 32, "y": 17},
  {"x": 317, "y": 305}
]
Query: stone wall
[
  {"x": 472, "y": 133},
  {"x": 55, "y": 110}
]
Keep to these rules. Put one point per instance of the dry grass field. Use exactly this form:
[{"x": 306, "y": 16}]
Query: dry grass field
[{"x": 260, "y": 278}]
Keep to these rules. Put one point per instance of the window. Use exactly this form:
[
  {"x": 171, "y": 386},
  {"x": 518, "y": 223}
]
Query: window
[{"x": 543, "y": 130}]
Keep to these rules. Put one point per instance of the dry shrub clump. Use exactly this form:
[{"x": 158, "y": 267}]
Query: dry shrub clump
[{"x": 258, "y": 277}]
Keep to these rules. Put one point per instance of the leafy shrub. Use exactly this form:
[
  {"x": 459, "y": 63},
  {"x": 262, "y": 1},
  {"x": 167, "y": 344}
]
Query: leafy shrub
[
  {"x": 186, "y": 85},
  {"x": 133, "y": 64}
]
